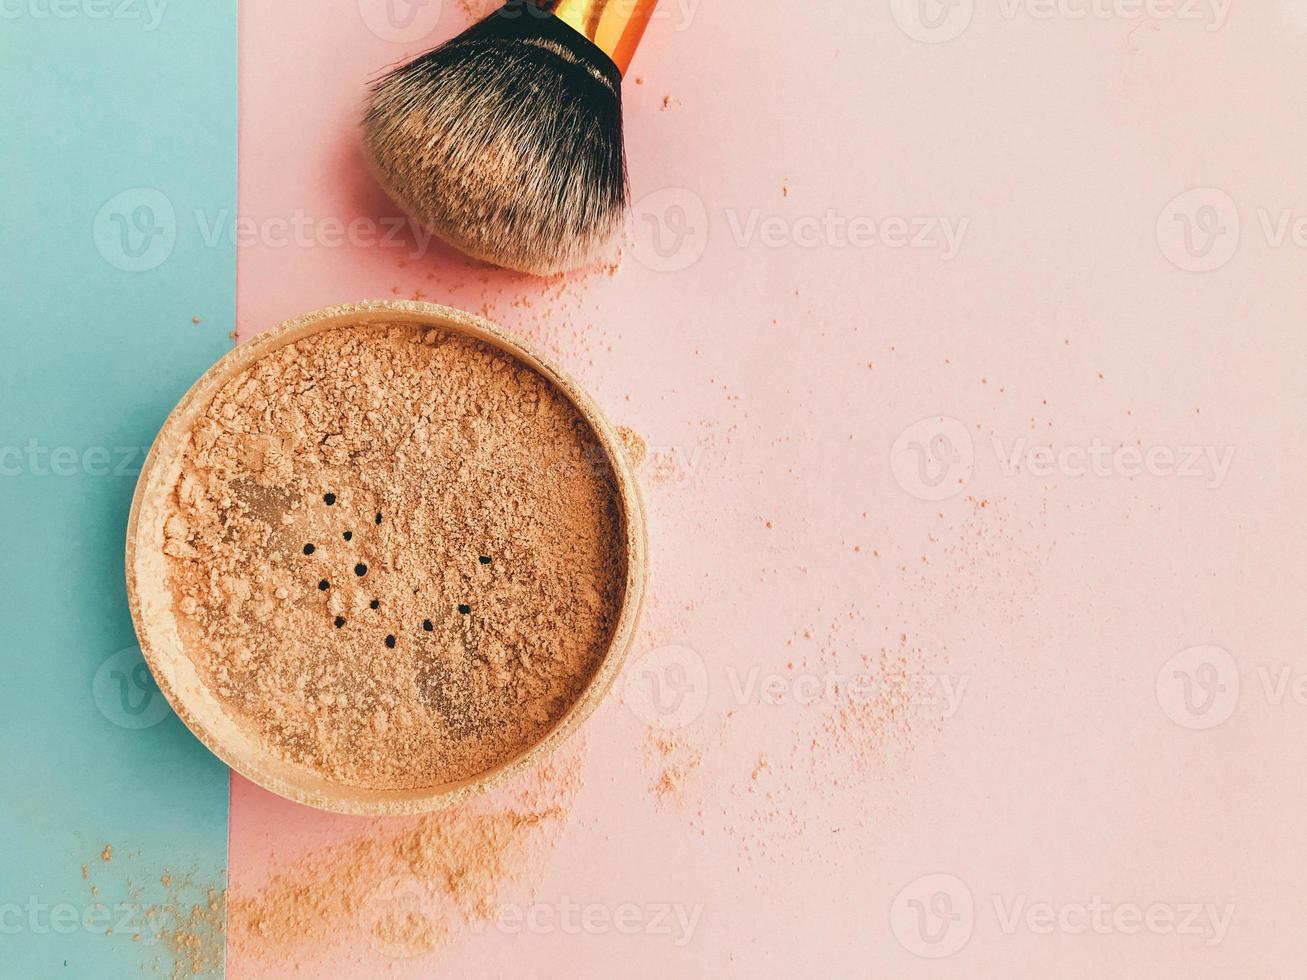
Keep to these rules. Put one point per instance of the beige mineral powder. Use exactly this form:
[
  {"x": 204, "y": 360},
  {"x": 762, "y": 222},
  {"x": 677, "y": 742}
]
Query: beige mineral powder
[{"x": 395, "y": 554}]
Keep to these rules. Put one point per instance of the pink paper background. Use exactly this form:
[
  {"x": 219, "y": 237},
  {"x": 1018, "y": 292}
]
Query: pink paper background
[{"x": 771, "y": 384}]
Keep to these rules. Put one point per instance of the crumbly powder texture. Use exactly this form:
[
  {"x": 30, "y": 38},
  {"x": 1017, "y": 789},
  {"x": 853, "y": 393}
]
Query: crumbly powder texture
[
  {"x": 396, "y": 554},
  {"x": 412, "y": 886},
  {"x": 181, "y": 930},
  {"x": 677, "y": 761},
  {"x": 194, "y": 935}
]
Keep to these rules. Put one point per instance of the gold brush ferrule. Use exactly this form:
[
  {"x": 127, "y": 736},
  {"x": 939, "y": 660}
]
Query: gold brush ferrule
[{"x": 613, "y": 26}]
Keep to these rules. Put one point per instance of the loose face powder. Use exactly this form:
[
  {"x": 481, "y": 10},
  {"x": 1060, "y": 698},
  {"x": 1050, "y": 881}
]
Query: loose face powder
[{"x": 395, "y": 554}]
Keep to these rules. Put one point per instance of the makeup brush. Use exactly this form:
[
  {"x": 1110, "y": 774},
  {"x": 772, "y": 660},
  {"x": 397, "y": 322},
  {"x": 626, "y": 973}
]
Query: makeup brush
[{"x": 507, "y": 140}]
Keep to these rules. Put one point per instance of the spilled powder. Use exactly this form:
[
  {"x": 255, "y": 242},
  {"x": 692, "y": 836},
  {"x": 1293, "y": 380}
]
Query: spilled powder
[
  {"x": 633, "y": 445},
  {"x": 181, "y": 934},
  {"x": 674, "y": 759},
  {"x": 866, "y": 730},
  {"x": 396, "y": 555},
  {"x": 800, "y": 779},
  {"x": 195, "y": 935},
  {"x": 410, "y": 886}
]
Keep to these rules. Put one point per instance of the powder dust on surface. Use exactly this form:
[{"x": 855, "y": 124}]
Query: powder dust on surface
[
  {"x": 179, "y": 932},
  {"x": 411, "y": 886},
  {"x": 394, "y": 889}
]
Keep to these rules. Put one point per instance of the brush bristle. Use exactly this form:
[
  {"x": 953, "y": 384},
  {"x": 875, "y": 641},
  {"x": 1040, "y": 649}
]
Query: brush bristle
[{"x": 507, "y": 142}]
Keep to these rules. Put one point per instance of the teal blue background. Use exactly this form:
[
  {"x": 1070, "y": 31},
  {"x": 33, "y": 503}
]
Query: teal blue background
[{"x": 95, "y": 356}]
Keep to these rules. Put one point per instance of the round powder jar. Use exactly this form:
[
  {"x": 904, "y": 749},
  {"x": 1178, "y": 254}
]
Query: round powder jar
[{"x": 383, "y": 556}]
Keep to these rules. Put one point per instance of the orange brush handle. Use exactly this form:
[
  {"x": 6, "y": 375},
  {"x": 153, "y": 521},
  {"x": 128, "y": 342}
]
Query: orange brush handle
[{"x": 614, "y": 26}]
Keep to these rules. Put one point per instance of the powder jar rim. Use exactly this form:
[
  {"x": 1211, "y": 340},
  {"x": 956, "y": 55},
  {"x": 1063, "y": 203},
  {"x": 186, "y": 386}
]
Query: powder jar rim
[{"x": 151, "y": 605}]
